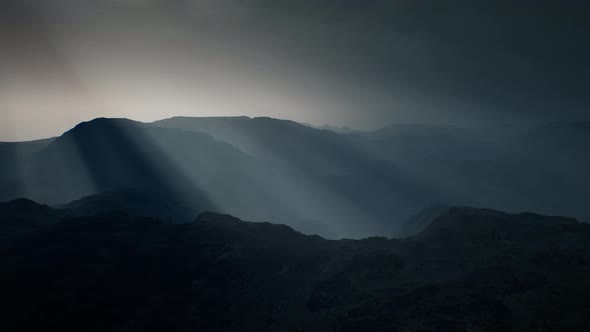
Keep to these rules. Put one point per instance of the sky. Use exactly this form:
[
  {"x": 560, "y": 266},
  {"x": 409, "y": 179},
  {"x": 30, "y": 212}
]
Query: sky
[{"x": 361, "y": 64}]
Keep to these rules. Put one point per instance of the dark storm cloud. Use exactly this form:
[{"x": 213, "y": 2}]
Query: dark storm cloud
[
  {"x": 497, "y": 57},
  {"x": 357, "y": 63}
]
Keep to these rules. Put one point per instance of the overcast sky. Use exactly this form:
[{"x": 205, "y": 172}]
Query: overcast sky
[{"x": 362, "y": 64}]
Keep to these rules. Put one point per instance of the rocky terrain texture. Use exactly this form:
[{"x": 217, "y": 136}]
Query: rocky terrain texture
[{"x": 467, "y": 270}]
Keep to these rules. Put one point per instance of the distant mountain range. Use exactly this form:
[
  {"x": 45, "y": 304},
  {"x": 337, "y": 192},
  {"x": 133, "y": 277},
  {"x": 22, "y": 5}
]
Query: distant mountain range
[
  {"x": 108, "y": 263},
  {"x": 333, "y": 183}
]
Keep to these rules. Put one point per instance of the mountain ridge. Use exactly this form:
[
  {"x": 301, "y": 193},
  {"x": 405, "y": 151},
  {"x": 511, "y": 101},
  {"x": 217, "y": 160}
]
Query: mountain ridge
[
  {"x": 272, "y": 169},
  {"x": 219, "y": 273}
]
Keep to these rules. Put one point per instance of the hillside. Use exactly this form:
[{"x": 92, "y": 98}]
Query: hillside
[
  {"x": 470, "y": 269},
  {"x": 316, "y": 180}
]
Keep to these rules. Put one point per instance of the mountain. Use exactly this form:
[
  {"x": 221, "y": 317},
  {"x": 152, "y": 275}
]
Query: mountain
[
  {"x": 469, "y": 269},
  {"x": 338, "y": 185},
  {"x": 133, "y": 202},
  {"x": 329, "y": 176},
  {"x": 188, "y": 168},
  {"x": 402, "y": 168},
  {"x": 281, "y": 141},
  {"x": 24, "y": 211},
  {"x": 519, "y": 169}
]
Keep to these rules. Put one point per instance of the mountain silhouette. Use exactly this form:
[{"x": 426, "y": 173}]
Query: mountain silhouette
[
  {"x": 316, "y": 180},
  {"x": 469, "y": 269},
  {"x": 133, "y": 202}
]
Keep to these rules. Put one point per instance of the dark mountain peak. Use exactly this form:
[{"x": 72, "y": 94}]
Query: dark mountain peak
[
  {"x": 282, "y": 141},
  {"x": 227, "y": 226},
  {"x": 268, "y": 119},
  {"x": 134, "y": 202},
  {"x": 207, "y": 216},
  {"x": 226, "y": 220},
  {"x": 540, "y": 218},
  {"x": 139, "y": 130},
  {"x": 467, "y": 224},
  {"x": 108, "y": 154},
  {"x": 522, "y": 217},
  {"x": 98, "y": 127},
  {"x": 235, "y": 122},
  {"x": 23, "y": 203},
  {"x": 26, "y": 210},
  {"x": 475, "y": 212},
  {"x": 104, "y": 123}
]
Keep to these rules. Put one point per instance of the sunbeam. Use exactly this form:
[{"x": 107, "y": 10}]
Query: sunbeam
[{"x": 294, "y": 165}]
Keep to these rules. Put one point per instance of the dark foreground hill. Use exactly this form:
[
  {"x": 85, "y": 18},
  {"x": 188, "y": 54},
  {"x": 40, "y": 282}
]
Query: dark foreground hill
[{"x": 469, "y": 270}]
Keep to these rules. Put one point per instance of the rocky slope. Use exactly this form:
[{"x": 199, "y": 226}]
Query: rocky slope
[{"x": 470, "y": 269}]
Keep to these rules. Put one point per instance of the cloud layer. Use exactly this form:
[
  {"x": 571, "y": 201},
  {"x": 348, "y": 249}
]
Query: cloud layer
[{"x": 361, "y": 64}]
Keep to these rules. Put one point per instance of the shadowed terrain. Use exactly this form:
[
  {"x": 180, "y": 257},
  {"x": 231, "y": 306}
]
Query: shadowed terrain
[{"x": 469, "y": 269}]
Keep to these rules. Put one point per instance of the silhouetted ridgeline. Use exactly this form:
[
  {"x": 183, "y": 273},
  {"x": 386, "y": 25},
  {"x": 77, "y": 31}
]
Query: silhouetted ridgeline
[
  {"x": 120, "y": 270},
  {"x": 336, "y": 184}
]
